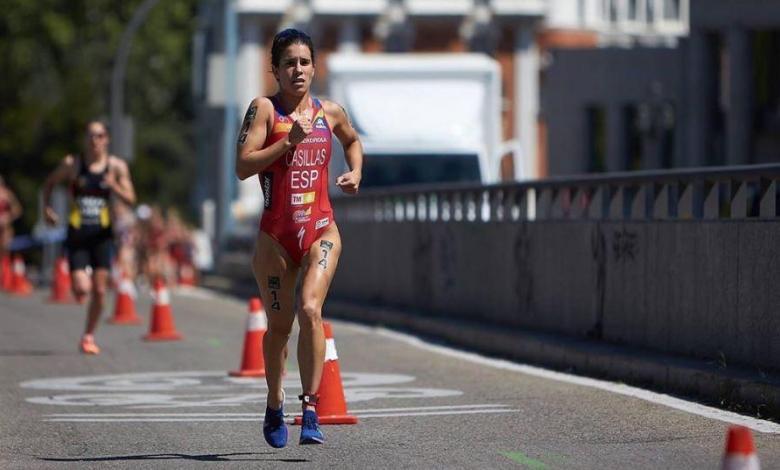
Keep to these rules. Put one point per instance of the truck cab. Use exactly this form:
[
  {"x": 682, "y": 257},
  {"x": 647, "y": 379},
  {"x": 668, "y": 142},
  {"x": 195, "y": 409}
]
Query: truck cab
[{"x": 422, "y": 118}]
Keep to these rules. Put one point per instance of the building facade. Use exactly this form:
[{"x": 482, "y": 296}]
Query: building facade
[
  {"x": 733, "y": 68},
  {"x": 232, "y": 63},
  {"x": 709, "y": 97}
]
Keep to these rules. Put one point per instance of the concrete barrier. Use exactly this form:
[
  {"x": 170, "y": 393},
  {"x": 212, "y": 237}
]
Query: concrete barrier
[
  {"x": 699, "y": 289},
  {"x": 681, "y": 262}
]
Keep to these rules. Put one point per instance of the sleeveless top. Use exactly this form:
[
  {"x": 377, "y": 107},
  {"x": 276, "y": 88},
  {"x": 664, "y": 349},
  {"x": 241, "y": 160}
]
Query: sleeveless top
[
  {"x": 90, "y": 209},
  {"x": 295, "y": 186}
]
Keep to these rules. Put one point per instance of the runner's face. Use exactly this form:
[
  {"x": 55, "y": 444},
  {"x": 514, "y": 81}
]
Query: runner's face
[
  {"x": 97, "y": 138},
  {"x": 296, "y": 70}
]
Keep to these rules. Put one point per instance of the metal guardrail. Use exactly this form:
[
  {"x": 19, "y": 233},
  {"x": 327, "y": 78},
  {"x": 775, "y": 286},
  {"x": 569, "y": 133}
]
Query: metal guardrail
[{"x": 735, "y": 192}]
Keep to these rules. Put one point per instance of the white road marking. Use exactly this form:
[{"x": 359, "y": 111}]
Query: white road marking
[
  {"x": 254, "y": 417},
  {"x": 755, "y": 424},
  {"x": 193, "y": 381},
  {"x": 197, "y": 293},
  {"x": 170, "y": 415},
  {"x": 436, "y": 413}
]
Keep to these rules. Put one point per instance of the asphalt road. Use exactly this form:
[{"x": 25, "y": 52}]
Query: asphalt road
[{"x": 172, "y": 405}]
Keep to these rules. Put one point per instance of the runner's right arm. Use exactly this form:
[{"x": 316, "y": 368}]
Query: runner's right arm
[
  {"x": 63, "y": 173},
  {"x": 251, "y": 157},
  {"x": 16, "y": 207}
]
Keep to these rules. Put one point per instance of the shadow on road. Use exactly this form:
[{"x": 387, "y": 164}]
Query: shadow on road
[{"x": 233, "y": 457}]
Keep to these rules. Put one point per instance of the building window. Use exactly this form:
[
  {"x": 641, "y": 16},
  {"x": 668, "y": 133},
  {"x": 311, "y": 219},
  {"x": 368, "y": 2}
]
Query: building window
[
  {"x": 613, "y": 11},
  {"x": 581, "y": 13},
  {"x": 596, "y": 138},
  {"x": 650, "y": 11},
  {"x": 632, "y": 138},
  {"x": 716, "y": 143},
  {"x": 766, "y": 96},
  {"x": 633, "y": 10},
  {"x": 672, "y": 10}
]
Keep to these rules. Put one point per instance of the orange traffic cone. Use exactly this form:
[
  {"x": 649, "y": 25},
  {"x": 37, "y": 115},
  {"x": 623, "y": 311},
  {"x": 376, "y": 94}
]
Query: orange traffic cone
[
  {"x": 187, "y": 275},
  {"x": 331, "y": 407},
  {"x": 60, "y": 286},
  {"x": 252, "y": 363},
  {"x": 6, "y": 273},
  {"x": 20, "y": 285},
  {"x": 124, "y": 308},
  {"x": 740, "y": 451},
  {"x": 161, "y": 327}
]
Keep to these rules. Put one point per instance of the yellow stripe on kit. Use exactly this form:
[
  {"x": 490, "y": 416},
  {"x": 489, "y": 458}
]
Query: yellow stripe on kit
[
  {"x": 75, "y": 217},
  {"x": 281, "y": 127},
  {"x": 105, "y": 217}
]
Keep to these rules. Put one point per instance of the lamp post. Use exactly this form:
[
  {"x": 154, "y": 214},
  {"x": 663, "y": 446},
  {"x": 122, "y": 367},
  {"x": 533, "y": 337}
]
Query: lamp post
[{"x": 121, "y": 125}]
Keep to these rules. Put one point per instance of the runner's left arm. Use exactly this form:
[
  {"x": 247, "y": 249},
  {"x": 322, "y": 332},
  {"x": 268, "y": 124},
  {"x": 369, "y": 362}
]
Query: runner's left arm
[
  {"x": 120, "y": 182},
  {"x": 349, "y": 182}
]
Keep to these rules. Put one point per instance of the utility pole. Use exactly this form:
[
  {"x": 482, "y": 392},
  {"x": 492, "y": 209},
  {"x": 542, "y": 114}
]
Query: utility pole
[
  {"x": 121, "y": 125},
  {"x": 227, "y": 176}
]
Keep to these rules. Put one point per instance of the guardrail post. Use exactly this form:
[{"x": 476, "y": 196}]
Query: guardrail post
[
  {"x": 769, "y": 197},
  {"x": 691, "y": 200},
  {"x": 711, "y": 209},
  {"x": 497, "y": 203},
  {"x": 544, "y": 202},
  {"x": 666, "y": 199},
  {"x": 739, "y": 200}
]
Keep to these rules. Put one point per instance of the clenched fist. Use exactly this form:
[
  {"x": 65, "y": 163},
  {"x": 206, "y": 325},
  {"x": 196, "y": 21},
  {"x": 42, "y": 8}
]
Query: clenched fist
[
  {"x": 50, "y": 216},
  {"x": 300, "y": 129},
  {"x": 349, "y": 182}
]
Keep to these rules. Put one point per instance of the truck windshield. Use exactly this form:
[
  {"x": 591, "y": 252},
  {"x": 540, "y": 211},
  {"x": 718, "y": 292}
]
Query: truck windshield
[{"x": 397, "y": 170}]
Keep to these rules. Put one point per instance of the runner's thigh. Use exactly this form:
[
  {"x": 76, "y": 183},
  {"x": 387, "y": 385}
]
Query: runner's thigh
[{"x": 275, "y": 274}]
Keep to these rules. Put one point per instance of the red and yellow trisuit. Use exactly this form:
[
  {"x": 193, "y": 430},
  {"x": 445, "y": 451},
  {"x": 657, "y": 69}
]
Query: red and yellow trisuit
[{"x": 295, "y": 186}]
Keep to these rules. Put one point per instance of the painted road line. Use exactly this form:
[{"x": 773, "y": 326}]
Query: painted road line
[
  {"x": 369, "y": 410},
  {"x": 522, "y": 459},
  {"x": 256, "y": 417},
  {"x": 437, "y": 413},
  {"x": 196, "y": 292},
  {"x": 755, "y": 424},
  {"x": 424, "y": 408}
]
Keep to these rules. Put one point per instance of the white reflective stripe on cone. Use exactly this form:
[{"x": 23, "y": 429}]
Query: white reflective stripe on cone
[
  {"x": 741, "y": 462},
  {"x": 127, "y": 287},
  {"x": 256, "y": 321},
  {"x": 330, "y": 350},
  {"x": 163, "y": 297}
]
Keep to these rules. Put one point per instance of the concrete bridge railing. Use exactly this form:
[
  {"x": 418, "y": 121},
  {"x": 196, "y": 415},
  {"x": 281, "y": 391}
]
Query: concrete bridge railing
[{"x": 684, "y": 262}]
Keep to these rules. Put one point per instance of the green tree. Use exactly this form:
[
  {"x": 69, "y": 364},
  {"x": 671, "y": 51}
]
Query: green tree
[{"x": 56, "y": 57}]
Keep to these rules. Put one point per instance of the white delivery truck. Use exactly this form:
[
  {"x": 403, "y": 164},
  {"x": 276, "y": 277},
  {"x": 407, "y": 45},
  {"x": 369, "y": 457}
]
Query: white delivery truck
[{"x": 422, "y": 118}]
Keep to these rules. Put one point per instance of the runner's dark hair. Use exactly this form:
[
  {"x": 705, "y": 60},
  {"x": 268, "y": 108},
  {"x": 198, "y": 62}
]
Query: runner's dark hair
[
  {"x": 102, "y": 122},
  {"x": 286, "y": 38}
]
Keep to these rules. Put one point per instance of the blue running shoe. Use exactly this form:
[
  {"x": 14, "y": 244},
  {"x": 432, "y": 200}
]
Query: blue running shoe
[
  {"x": 274, "y": 428},
  {"x": 310, "y": 429}
]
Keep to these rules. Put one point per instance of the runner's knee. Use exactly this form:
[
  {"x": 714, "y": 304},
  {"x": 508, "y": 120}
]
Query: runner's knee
[
  {"x": 80, "y": 285},
  {"x": 100, "y": 290},
  {"x": 280, "y": 327},
  {"x": 310, "y": 314}
]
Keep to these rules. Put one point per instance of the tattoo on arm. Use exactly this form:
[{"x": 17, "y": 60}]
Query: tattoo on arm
[
  {"x": 325, "y": 246},
  {"x": 248, "y": 119},
  {"x": 349, "y": 119}
]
